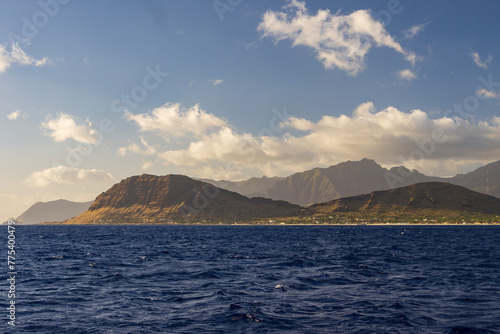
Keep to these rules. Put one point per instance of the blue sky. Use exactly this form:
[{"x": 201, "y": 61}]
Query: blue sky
[{"x": 93, "y": 92}]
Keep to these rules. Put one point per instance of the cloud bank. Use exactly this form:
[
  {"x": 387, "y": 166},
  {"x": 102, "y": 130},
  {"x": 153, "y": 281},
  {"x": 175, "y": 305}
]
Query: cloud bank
[
  {"x": 389, "y": 136},
  {"x": 339, "y": 41}
]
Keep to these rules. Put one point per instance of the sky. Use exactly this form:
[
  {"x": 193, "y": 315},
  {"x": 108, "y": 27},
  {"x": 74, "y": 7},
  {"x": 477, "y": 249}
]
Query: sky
[{"x": 92, "y": 92}]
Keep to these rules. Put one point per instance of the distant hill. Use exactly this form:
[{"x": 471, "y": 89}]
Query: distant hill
[
  {"x": 176, "y": 197},
  {"x": 15, "y": 222},
  {"x": 53, "y": 211},
  {"x": 353, "y": 178},
  {"x": 248, "y": 187},
  {"x": 318, "y": 185},
  {"x": 429, "y": 197},
  {"x": 345, "y": 179}
]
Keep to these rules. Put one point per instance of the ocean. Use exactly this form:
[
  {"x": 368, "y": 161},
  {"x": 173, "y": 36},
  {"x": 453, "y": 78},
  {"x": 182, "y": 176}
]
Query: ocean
[{"x": 256, "y": 279}]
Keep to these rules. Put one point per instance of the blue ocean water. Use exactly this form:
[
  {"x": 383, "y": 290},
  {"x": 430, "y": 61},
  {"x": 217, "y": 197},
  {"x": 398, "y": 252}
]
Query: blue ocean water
[{"x": 257, "y": 279}]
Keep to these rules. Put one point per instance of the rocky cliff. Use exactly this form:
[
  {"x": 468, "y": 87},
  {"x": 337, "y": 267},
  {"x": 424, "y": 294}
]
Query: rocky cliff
[{"x": 146, "y": 198}]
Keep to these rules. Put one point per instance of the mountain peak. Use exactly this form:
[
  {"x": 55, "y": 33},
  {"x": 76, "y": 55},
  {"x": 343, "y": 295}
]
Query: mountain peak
[
  {"x": 177, "y": 197},
  {"x": 370, "y": 161}
]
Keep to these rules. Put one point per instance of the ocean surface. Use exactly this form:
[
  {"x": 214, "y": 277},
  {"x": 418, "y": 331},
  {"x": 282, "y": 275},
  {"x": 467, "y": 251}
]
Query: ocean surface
[{"x": 256, "y": 279}]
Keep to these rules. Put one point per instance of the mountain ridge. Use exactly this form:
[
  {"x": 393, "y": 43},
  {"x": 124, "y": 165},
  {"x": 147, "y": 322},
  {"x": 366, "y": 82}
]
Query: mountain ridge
[
  {"x": 436, "y": 197},
  {"x": 342, "y": 180},
  {"x": 144, "y": 198},
  {"x": 352, "y": 178},
  {"x": 52, "y": 211},
  {"x": 248, "y": 187}
]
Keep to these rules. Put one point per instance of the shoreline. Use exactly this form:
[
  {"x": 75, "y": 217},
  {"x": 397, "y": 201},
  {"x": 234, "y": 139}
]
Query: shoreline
[{"x": 249, "y": 224}]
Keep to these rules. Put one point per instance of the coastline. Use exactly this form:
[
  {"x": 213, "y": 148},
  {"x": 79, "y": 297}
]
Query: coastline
[{"x": 252, "y": 224}]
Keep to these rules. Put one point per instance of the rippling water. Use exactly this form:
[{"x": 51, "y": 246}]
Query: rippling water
[{"x": 251, "y": 279}]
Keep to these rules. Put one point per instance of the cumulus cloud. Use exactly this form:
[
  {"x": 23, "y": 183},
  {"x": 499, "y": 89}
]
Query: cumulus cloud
[
  {"x": 171, "y": 120},
  {"x": 16, "y": 55},
  {"x": 415, "y": 30},
  {"x": 66, "y": 175},
  {"x": 487, "y": 94},
  {"x": 224, "y": 145},
  {"x": 339, "y": 41},
  {"x": 146, "y": 165},
  {"x": 217, "y": 82},
  {"x": 17, "y": 114},
  {"x": 133, "y": 148},
  {"x": 477, "y": 60},
  {"x": 389, "y": 136},
  {"x": 65, "y": 126},
  {"x": 407, "y": 74}
]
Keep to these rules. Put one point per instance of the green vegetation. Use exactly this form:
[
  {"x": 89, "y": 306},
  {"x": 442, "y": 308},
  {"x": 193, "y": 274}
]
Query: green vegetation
[
  {"x": 177, "y": 199},
  {"x": 357, "y": 218},
  {"x": 326, "y": 219}
]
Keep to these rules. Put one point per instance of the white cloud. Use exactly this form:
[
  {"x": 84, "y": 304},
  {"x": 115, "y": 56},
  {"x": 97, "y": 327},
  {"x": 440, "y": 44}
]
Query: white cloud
[
  {"x": 224, "y": 145},
  {"x": 16, "y": 114},
  {"x": 65, "y": 126},
  {"x": 250, "y": 45},
  {"x": 477, "y": 60},
  {"x": 66, "y": 175},
  {"x": 17, "y": 56},
  {"x": 136, "y": 149},
  {"x": 487, "y": 94},
  {"x": 170, "y": 120},
  {"x": 217, "y": 82},
  {"x": 407, "y": 74},
  {"x": 340, "y": 41},
  {"x": 415, "y": 30},
  {"x": 218, "y": 173},
  {"x": 146, "y": 165},
  {"x": 389, "y": 136}
]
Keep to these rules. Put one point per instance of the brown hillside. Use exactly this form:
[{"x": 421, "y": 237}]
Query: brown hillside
[
  {"x": 429, "y": 196},
  {"x": 177, "y": 197}
]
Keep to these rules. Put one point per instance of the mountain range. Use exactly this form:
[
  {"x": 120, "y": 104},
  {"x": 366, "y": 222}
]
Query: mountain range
[
  {"x": 317, "y": 185},
  {"x": 177, "y": 198},
  {"x": 250, "y": 187},
  {"x": 353, "y": 178}
]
